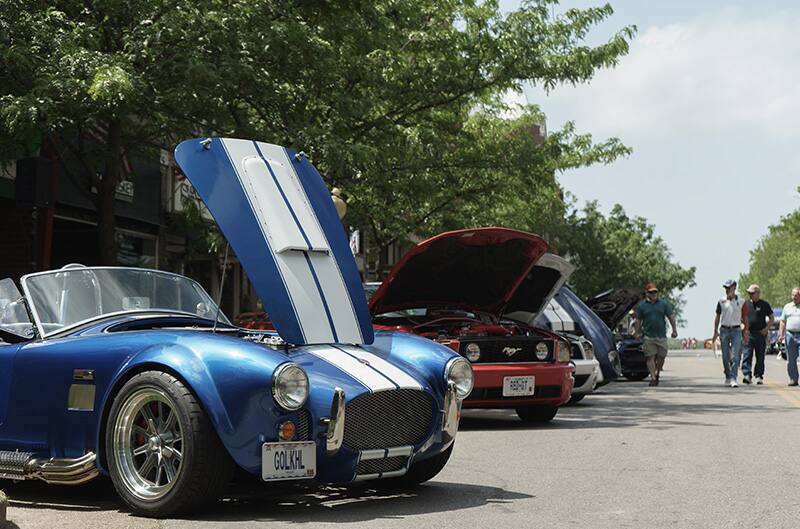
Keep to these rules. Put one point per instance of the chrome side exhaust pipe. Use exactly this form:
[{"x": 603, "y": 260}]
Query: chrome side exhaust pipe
[
  {"x": 56, "y": 471},
  {"x": 65, "y": 471}
]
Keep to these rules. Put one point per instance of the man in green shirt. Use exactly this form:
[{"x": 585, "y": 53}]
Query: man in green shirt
[{"x": 651, "y": 316}]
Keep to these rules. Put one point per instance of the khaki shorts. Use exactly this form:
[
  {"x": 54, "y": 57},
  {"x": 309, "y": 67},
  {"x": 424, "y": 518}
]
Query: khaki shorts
[{"x": 655, "y": 346}]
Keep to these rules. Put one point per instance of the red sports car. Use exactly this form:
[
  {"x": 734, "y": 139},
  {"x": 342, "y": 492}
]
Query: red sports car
[{"x": 455, "y": 288}]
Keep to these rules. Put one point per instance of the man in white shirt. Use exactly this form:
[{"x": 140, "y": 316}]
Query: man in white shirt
[
  {"x": 729, "y": 324},
  {"x": 790, "y": 331}
]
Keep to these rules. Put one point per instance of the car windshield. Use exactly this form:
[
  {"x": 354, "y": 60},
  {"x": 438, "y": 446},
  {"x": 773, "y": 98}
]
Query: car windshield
[
  {"x": 64, "y": 298},
  {"x": 13, "y": 315}
]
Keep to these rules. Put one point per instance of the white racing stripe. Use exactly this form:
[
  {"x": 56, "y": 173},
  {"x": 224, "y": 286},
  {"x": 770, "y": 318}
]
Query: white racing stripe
[
  {"x": 266, "y": 187},
  {"x": 281, "y": 228},
  {"x": 341, "y": 309},
  {"x": 559, "y": 319},
  {"x": 367, "y": 375},
  {"x": 394, "y": 373},
  {"x": 327, "y": 268}
]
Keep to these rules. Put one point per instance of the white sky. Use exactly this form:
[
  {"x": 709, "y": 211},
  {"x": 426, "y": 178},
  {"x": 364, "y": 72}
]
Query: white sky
[{"x": 709, "y": 99}]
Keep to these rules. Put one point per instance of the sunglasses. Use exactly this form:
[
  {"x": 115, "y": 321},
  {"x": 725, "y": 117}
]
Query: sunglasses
[{"x": 652, "y": 291}]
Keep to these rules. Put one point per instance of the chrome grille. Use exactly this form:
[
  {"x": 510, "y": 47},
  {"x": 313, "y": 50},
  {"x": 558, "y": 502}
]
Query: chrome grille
[
  {"x": 386, "y": 419},
  {"x": 381, "y": 466},
  {"x": 303, "y": 432}
]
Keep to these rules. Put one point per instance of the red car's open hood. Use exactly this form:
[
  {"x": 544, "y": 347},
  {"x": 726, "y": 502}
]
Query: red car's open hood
[{"x": 475, "y": 269}]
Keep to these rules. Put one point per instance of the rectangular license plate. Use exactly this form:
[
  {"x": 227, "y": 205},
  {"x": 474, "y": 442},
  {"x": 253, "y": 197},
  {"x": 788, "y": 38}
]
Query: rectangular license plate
[
  {"x": 288, "y": 460},
  {"x": 518, "y": 386}
]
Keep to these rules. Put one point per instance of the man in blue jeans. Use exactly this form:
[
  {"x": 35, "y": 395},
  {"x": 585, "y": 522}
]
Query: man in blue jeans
[
  {"x": 759, "y": 321},
  {"x": 790, "y": 331},
  {"x": 729, "y": 324}
]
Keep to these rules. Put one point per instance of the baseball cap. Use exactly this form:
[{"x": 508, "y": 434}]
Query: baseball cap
[
  {"x": 753, "y": 288},
  {"x": 650, "y": 287},
  {"x": 729, "y": 283}
]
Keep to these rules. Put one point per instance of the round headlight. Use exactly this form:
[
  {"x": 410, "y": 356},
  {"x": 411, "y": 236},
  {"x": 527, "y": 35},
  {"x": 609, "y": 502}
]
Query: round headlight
[
  {"x": 563, "y": 351},
  {"x": 541, "y": 350},
  {"x": 290, "y": 386},
  {"x": 588, "y": 350},
  {"x": 459, "y": 372},
  {"x": 473, "y": 352}
]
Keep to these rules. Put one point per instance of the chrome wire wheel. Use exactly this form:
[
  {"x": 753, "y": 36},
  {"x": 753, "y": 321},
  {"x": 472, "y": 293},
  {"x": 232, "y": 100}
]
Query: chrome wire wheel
[{"x": 148, "y": 445}]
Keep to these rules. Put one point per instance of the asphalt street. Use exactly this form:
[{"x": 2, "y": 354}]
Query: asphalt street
[{"x": 689, "y": 453}]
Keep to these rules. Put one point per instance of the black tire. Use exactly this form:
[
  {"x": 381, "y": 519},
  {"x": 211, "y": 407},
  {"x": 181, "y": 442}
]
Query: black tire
[
  {"x": 204, "y": 468},
  {"x": 636, "y": 377},
  {"x": 537, "y": 414},
  {"x": 575, "y": 399},
  {"x": 420, "y": 472}
]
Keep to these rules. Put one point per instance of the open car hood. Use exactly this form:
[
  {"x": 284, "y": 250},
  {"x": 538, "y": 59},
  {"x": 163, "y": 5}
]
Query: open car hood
[
  {"x": 612, "y": 305},
  {"x": 538, "y": 288},
  {"x": 277, "y": 214},
  {"x": 475, "y": 269},
  {"x": 556, "y": 318}
]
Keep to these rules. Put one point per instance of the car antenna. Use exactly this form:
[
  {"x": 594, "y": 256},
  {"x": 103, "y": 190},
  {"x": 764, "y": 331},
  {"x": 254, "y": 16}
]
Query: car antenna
[{"x": 221, "y": 286}]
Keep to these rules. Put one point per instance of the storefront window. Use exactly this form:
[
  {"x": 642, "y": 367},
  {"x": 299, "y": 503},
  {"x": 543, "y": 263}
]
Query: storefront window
[{"x": 135, "y": 250}]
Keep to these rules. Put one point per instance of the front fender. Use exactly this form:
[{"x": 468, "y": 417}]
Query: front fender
[
  {"x": 231, "y": 379},
  {"x": 421, "y": 357}
]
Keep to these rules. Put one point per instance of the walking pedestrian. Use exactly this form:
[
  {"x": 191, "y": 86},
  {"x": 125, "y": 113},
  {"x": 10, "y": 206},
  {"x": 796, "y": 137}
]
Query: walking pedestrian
[
  {"x": 729, "y": 324},
  {"x": 651, "y": 316},
  {"x": 759, "y": 321},
  {"x": 790, "y": 331}
]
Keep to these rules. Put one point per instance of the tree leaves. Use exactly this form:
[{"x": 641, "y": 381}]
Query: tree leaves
[
  {"x": 618, "y": 251},
  {"x": 775, "y": 261},
  {"x": 398, "y": 102}
]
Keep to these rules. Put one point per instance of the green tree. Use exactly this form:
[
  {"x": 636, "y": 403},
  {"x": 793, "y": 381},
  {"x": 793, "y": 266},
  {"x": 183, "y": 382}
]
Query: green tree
[
  {"x": 617, "y": 251},
  {"x": 99, "y": 81},
  {"x": 775, "y": 261},
  {"x": 399, "y": 103}
]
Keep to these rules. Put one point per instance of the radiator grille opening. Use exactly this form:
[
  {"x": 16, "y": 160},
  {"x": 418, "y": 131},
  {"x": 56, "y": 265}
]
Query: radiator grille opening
[
  {"x": 387, "y": 419},
  {"x": 381, "y": 466}
]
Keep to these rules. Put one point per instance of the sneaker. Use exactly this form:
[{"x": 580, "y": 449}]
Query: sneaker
[
  {"x": 759, "y": 380},
  {"x": 792, "y": 383},
  {"x": 735, "y": 385},
  {"x": 745, "y": 380}
]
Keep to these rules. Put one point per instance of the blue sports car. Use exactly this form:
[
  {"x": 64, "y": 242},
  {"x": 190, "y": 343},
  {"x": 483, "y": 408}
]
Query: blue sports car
[
  {"x": 137, "y": 374},
  {"x": 596, "y": 320}
]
